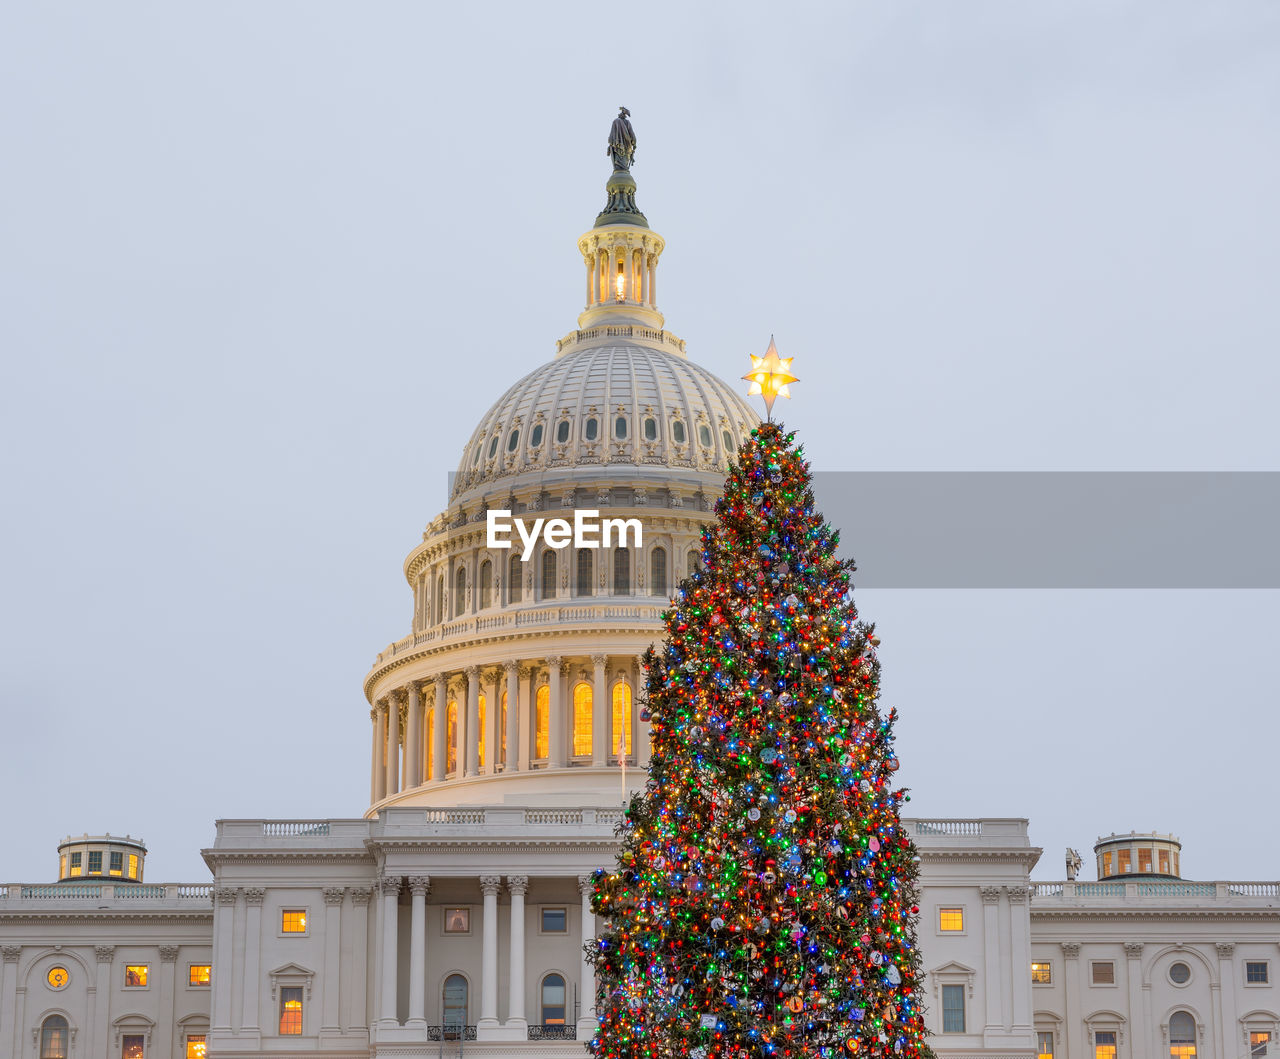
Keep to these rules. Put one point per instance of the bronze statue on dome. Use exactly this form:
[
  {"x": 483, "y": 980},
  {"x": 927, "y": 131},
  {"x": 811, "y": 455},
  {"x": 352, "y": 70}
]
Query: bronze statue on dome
[{"x": 622, "y": 141}]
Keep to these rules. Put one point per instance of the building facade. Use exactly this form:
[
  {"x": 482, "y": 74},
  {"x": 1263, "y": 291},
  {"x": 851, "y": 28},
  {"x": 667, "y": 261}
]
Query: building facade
[{"x": 505, "y": 732}]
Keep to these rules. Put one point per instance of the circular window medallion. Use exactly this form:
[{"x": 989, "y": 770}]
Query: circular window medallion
[
  {"x": 1179, "y": 973},
  {"x": 57, "y": 978}
]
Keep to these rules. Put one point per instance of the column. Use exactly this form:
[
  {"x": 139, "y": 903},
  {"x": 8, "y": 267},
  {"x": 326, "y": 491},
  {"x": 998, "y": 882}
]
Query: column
[
  {"x": 330, "y": 985},
  {"x": 591, "y": 270},
  {"x": 519, "y": 886},
  {"x": 418, "y": 887},
  {"x": 653, "y": 281},
  {"x": 105, "y": 954},
  {"x": 513, "y": 717},
  {"x": 439, "y": 753},
  {"x": 601, "y": 712},
  {"x": 1138, "y": 1027},
  {"x": 166, "y": 1023},
  {"x": 587, "y": 982},
  {"x": 393, "y": 743},
  {"x": 413, "y": 739},
  {"x": 1228, "y": 1026},
  {"x": 1072, "y": 1024},
  {"x": 528, "y": 680},
  {"x": 644, "y": 279},
  {"x": 991, "y": 955},
  {"x": 376, "y": 761},
  {"x": 489, "y": 886},
  {"x": 556, "y": 742},
  {"x": 357, "y": 1016},
  {"x": 389, "y": 887},
  {"x": 643, "y": 728},
  {"x": 8, "y": 995},
  {"x": 224, "y": 977},
  {"x": 492, "y": 720},
  {"x": 1020, "y": 935},
  {"x": 472, "y": 743},
  {"x": 252, "y": 946},
  {"x": 379, "y": 750}
]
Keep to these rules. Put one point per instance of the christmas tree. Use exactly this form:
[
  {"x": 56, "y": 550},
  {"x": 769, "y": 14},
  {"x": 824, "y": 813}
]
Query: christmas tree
[{"x": 764, "y": 900}]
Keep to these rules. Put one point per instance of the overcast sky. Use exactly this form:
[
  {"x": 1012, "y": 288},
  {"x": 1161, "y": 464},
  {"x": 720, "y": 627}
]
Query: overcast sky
[{"x": 263, "y": 266}]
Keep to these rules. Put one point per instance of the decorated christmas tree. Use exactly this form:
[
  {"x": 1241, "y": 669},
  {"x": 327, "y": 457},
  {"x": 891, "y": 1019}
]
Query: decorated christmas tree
[{"x": 764, "y": 901}]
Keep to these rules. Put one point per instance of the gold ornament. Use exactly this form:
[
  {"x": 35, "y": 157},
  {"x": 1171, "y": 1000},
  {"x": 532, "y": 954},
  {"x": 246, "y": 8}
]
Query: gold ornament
[{"x": 770, "y": 376}]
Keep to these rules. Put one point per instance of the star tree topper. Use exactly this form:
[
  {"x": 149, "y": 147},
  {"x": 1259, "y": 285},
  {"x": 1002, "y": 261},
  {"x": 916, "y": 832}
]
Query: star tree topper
[{"x": 770, "y": 376}]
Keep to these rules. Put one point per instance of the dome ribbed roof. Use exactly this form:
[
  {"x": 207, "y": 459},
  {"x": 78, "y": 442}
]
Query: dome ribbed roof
[{"x": 617, "y": 405}]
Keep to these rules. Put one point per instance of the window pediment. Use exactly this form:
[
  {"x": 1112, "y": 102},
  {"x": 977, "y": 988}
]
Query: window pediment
[
  {"x": 133, "y": 1024},
  {"x": 291, "y": 974}
]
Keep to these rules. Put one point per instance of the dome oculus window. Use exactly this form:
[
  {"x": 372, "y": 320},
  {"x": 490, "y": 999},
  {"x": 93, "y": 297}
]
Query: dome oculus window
[
  {"x": 677, "y": 432},
  {"x": 513, "y": 439},
  {"x": 562, "y": 431},
  {"x": 57, "y": 977},
  {"x": 620, "y": 428},
  {"x": 650, "y": 429},
  {"x": 704, "y": 436},
  {"x": 1179, "y": 973},
  {"x": 592, "y": 430},
  {"x": 535, "y": 439}
]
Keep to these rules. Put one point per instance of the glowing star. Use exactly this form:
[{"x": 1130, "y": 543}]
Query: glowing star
[{"x": 770, "y": 376}]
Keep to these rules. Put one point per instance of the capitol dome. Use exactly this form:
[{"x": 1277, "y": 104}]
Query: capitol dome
[{"x": 519, "y": 680}]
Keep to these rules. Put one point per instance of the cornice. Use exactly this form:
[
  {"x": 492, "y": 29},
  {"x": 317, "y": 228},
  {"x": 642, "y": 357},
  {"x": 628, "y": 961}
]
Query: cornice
[
  {"x": 1181, "y": 913},
  {"x": 278, "y": 856},
  {"x": 94, "y": 915},
  {"x": 979, "y": 855},
  {"x": 500, "y": 846}
]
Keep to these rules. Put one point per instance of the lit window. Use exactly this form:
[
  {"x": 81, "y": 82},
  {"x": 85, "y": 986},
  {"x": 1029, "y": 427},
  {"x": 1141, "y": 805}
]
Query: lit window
[
  {"x": 1182, "y": 1036},
  {"x": 548, "y": 574},
  {"x": 480, "y": 735},
  {"x": 620, "y": 427},
  {"x": 293, "y": 921},
  {"x": 76, "y": 863},
  {"x": 677, "y": 432},
  {"x": 1106, "y": 863},
  {"x": 95, "y": 862},
  {"x": 1124, "y": 862},
  {"x": 622, "y": 572},
  {"x": 451, "y": 735},
  {"x": 951, "y": 919},
  {"x": 1104, "y": 1045},
  {"x": 513, "y": 439},
  {"x": 1044, "y": 1046},
  {"x": 535, "y": 439},
  {"x": 515, "y": 580},
  {"x": 1256, "y": 972},
  {"x": 553, "y": 997},
  {"x": 1179, "y": 973},
  {"x": 57, "y": 977},
  {"x": 493, "y": 447},
  {"x": 650, "y": 429},
  {"x": 621, "y": 741},
  {"x": 583, "y": 583},
  {"x": 132, "y": 1048},
  {"x": 135, "y": 975},
  {"x": 199, "y": 974},
  {"x": 658, "y": 571},
  {"x": 133, "y": 865},
  {"x": 1162, "y": 859},
  {"x": 582, "y": 720},
  {"x": 555, "y": 921},
  {"x": 704, "y": 435},
  {"x": 562, "y": 431},
  {"x": 457, "y": 921},
  {"x": 1041, "y": 973},
  {"x": 592, "y": 430},
  {"x": 542, "y": 715},
  {"x": 54, "y": 1034},
  {"x": 291, "y": 1011},
  {"x": 195, "y": 1046},
  {"x": 1104, "y": 972},
  {"x": 1144, "y": 861},
  {"x": 117, "y": 864},
  {"x": 953, "y": 1009},
  {"x": 1258, "y": 1043}
]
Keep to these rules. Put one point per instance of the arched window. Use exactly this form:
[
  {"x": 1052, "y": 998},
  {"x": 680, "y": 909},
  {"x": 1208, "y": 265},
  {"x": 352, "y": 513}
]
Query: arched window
[
  {"x": 727, "y": 438},
  {"x": 429, "y": 741},
  {"x": 54, "y": 1033},
  {"x": 650, "y": 429},
  {"x": 451, "y": 734},
  {"x": 513, "y": 439},
  {"x": 542, "y": 721},
  {"x": 583, "y": 582},
  {"x": 562, "y": 431},
  {"x": 704, "y": 435},
  {"x": 692, "y": 564},
  {"x": 622, "y": 572},
  {"x": 440, "y": 599},
  {"x": 621, "y": 731},
  {"x": 677, "y": 431},
  {"x": 502, "y": 730},
  {"x": 548, "y": 574},
  {"x": 1182, "y": 1035},
  {"x": 454, "y": 1006},
  {"x": 480, "y": 735},
  {"x": 486, "y": 585},
  {"x": 658, "y": 572},
  {"x": 582, "y": 719},
  {"x": 535, "y": 439},
  {"x": 459, "y": 591},
  {"x": 592, "y": 430},
  {"x": 553, "y": 1000},
  {"x": 515, "y": 580},
  {"x": 620, "y": 428},
  {"x": 493, "y": 446}
]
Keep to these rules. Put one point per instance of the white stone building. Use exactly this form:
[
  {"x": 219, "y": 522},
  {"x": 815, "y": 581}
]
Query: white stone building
[{"x": 450, "y": 917}]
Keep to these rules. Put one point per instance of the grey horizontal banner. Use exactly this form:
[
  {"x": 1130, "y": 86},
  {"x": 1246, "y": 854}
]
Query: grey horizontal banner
[{"x": 1218, "y": 529}]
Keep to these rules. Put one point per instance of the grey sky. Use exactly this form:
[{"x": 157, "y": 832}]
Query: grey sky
[{"x": 263, "y": 266}]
